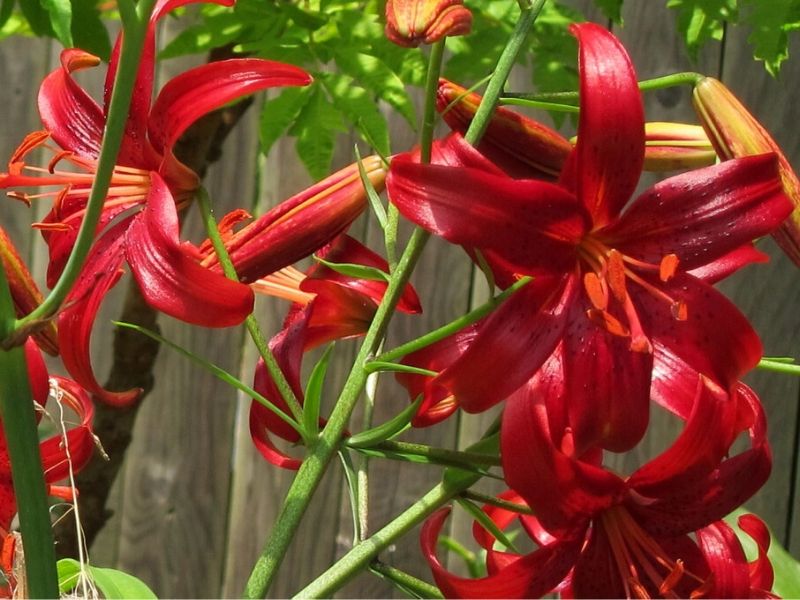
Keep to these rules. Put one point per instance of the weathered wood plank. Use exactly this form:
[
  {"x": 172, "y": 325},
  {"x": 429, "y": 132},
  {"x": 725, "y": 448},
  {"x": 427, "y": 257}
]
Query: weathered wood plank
[{"x": 769, "y": 294}]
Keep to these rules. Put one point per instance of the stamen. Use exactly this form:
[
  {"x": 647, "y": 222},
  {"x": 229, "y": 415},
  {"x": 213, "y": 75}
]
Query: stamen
[
  {"x": 269, "y": 287},
  {"x": 596, "y": 289},
  {"x": 704, "y": 588},
  {"x": 672, "y": 579},
  {"x": 20, "y": 196},
  {"x": 606, "y": 321},
  {"x": 668, "y": 267},
  {"x": 51, "y": 166},
  {"x": 616, "y": 276}
]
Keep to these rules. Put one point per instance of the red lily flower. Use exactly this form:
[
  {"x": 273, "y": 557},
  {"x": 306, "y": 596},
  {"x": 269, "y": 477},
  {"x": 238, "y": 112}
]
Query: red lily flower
[
  {"x": 413, "y": 22},
  {"x": 607, "y": 295},
  {"x": 604, "y": 536},
  {"x": 326, "y": 306},
  {"x": 145, "y": 179},
  {"x": 57, "y": 456}
]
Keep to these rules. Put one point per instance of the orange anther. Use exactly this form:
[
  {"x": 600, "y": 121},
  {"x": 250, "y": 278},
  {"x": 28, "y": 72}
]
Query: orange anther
[
  {"x": 672, "y": 579},
  {"x": 640, "y": 343},
  {"x": 22, "y": 197},
  {"x": 51, "y": 226},
  {"x": 668, "y": 266},
  {"x": 51, "y": 166},
  {"x": 679, "y": 310},
  {"x": 616, "y": 275},
  {"x": 596, "y": 290},
  {"x": 604, "y": 319}
]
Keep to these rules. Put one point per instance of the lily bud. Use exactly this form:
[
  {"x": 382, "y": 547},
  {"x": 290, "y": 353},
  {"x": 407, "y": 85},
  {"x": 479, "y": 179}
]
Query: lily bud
[
  {"x": 300, "y": 225},
  {"x": 674, "y": 146},
  {"x": 410, "y": 23},
  {"x": 735, "y": 132},
  {"x": 521, "y": 146},
  {"x": 25, "y": 293}
]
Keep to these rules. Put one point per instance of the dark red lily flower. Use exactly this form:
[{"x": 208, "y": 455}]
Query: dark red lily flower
[
  {"x": 604, "y": 536},
  {"x": 326, "y": 306},
  {"x": 148, "y": 181},
  {"x": 611, "y": 290},
  {"x": 57, "y": 456}
]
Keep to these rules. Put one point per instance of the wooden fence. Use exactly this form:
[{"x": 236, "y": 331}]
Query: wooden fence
[{"x": 194, "y": 502}]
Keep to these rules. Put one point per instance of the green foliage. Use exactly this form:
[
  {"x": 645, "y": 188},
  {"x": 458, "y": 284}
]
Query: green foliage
[
  {"x": 112, "y": 584},
  {"x": 611, "y": 8},
  {"x": 700, "y": 21},
  {"x": 770, "y": 23}
]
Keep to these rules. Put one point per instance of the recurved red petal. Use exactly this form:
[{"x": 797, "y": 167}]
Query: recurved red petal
[
  {"x": 171, "y": 280},
  {"x": 703, "y": 214},
  {"x": 563, "y": 491},
  {"x": 72, "y": 117},
  {"x": 606, "y": 384},
  {"x": 188, "y": 96},
  {"x": 260, "y": 434},
  {"x": 762, "y": 575},
  {"x": 532, "y": 576},
  {"x": 726, "y": 560},
  {"x": 533, "y": 224},
  {"x": 609, "y": 158},
  {"x": 100, "y": 273},
  {"x": 59, "y": 454},
  {"x": 704, "y": 442},
  {"x": 715, "y": 339},
  {"x": 721, "y": 268},
  {"x": 513, "y": 342}
]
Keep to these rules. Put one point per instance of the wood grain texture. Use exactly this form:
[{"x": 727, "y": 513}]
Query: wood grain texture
[{"x": 769, "y": 294}]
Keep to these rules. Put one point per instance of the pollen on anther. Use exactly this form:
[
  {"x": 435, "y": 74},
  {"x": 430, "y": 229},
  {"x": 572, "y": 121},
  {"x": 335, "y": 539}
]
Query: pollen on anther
[{"x": 668, "y": 267}]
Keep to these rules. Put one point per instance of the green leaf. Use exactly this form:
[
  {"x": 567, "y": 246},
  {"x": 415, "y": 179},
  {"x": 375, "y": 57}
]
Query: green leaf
[
  {"x": 313, "y": 393},
  {"x": 379, "y": 365},
  {"x": 378, "y": 78},
  {"x": 316, "y": 127},
  {"x": 216, "y": 32},
  {"x": 279, "y": 113},
  {"x": 113, "y": 584},
  {"x": 389, "y": 429},
  {"x": 38, "y": 18},
  {"x": 374, "y": 199},
  {"x": 307, "y": 19},
  {"x": 770, "y": 23},
  {"x": 352, "y": 487},
  {"x": 355, "y": 270},
  {"x": 700, "y": 21},
  {"x": 611, "y": 9},
  {"x": 88, "y": 30},
  {"x": 60, "y": 14},
  {"x": 786, "y": 567},
  {"x": 487, "y": 523},
  {"x": 6, "y": 10},
  {"x": 360, "y": 108}
]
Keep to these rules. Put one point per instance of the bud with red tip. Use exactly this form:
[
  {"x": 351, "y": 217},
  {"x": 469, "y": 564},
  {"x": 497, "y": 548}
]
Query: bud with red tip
[
  {"x": 735, "y": 132},
  {"x": 410, "y": 23}
]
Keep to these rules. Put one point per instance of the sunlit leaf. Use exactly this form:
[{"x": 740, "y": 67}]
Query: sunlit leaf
[
  {"x": 278, "y": 114},
  {"x": 112, "y": 584}
]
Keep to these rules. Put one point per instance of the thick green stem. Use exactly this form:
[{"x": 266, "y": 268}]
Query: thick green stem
[
  {"x": 253, "y": 329},
  {"x": 19, "y": 424},
  {"x": 779, "y": 367},
  {"x": 504, "y": 65},
  {"x": 135, "y": 23},
  {"x": 429, "y": 116}
]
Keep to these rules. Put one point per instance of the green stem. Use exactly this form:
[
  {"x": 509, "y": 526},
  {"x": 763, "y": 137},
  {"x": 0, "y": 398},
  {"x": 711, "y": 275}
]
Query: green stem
[
  {"x": 431, "y": 85},
  {"x": 436, "y": 455},
  {"x": 135, "y": 23},
  {"x": 504, "y": 65},
  {"x": 420, "y": 588},
  {"x": 19, "y": 424},
  {"x": 779, "y": 367},
  {"x": 253, "y": 329},
  {"x": 453, "y": 327},
  {"x": 646, "y": 85},
  {"x": 365, "y": 552}
]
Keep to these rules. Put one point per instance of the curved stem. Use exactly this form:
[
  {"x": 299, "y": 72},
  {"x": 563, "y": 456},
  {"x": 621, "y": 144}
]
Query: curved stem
[
  {"x": 253, "y": 329},
  {"x": 135, "y": 23}
]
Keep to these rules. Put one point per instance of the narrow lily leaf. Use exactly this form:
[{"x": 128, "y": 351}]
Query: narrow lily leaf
[
  {"x": 352, "y": 487},
  {"x": 487, "y": 523},
  {"x": 218, "y": 372},
  {"x": 378, "y": 365},
  {"x": 388, "y": 430},
  {"x": 313, "y": 393},
  {"x": 784, "y": 565},
  {"x": 426, "y": 460},
  {"x": 455, "y": 477},
  {"x": 60, "y": 12},
  {"x": 113, "y": 584},
  {"x": 354, "y": 270},
  {"x": 405, "y": 583},
  {"x": 372, "y": 195}
]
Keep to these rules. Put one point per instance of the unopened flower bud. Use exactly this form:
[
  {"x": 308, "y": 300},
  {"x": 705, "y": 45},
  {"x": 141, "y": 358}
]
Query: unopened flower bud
[
  {"x": 674, "y": 146},
  {"x": 413, "y": 22},
  {"x": 735, "y": 132},
  {"x": 25, "y": 293},
  {"x": 517, "y": 144}
]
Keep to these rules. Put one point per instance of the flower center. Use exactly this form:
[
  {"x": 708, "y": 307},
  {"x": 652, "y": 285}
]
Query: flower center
[
  {"x": 72, "y": 176},
  {"x": 606, "y": 273},
  {"x": 642, "y": 564}
]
